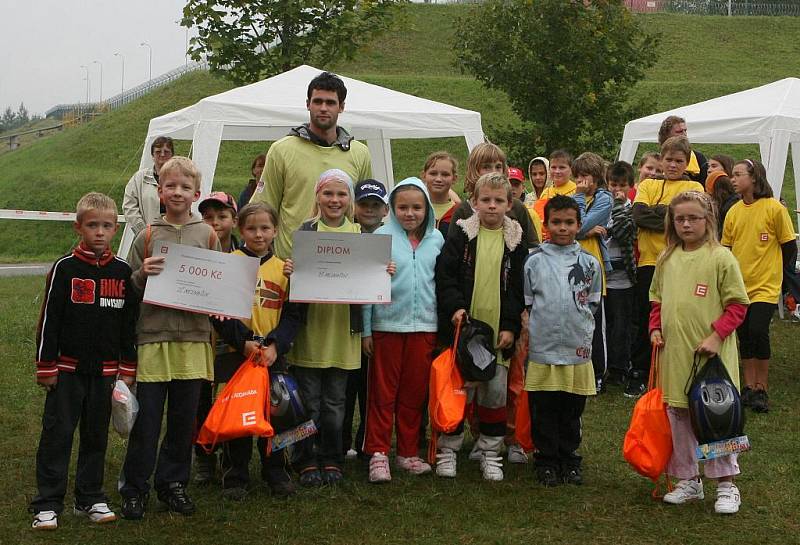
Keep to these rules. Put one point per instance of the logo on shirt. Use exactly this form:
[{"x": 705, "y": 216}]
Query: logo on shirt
[
  {"x": 259, "y": 187},
  {"x": 580, "y": 281},
  {"x": 83, "y": 291},
  {"x": 164, "y": 249},
  {"x": 701, "y": 290},
  {"x": 764, "y": 237},
  {"x": 269, "y": 294}
]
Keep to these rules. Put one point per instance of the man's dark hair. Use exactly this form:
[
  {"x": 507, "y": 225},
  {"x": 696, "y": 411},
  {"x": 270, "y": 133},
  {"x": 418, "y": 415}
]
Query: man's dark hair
[
  {"x": 561, "y": 202},
  {"x": 328, "y": 81},
  {"x": 620, "y": 171},
  {"x": 161, "y": 141}
]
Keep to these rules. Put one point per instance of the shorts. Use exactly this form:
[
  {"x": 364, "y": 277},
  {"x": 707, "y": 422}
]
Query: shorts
[{"x": 754, "y": 332}]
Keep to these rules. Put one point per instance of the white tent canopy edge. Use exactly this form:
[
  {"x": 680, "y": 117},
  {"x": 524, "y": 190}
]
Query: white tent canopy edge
[{"x": 268, "y": 109}]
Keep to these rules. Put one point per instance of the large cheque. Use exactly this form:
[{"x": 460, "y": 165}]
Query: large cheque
[
  {"x": 203, "y": 281},
  {"x": 340, "y": 268}
]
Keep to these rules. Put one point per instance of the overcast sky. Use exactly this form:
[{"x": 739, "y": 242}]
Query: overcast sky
[{"x": 43, "y": 44}]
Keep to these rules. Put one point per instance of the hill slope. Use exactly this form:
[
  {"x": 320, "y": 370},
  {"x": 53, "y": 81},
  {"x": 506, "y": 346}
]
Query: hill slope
[{"x": 417, "y": 58}]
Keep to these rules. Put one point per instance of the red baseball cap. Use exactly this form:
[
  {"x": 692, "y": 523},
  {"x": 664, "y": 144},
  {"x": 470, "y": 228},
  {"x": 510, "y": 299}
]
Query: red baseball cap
[
  {"x": 515, "y": 174},
  {"x": 226, "y": 199}
]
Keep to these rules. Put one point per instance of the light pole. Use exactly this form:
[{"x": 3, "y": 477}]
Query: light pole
[
  {"x": 101, "y": 78},
  {"x": 145, "y": 44},
  {"x": 186, "y": 51},
  {"x": 121, "y": 56},
  {"x": 87, "y": 81}
]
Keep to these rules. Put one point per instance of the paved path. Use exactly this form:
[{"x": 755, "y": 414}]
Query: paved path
[{"x": 24, "y": 269}]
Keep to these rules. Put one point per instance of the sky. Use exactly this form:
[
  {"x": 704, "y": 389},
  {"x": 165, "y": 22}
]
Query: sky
[{"x": 45, "y": 42}]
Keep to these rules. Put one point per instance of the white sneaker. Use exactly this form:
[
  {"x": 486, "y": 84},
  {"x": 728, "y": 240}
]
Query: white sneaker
[
  {"x": 413, "y": 464},
  {"x": 446, "y": 463},
  {"x": 491, "y": 466},
  {"x": 685, "y": 490},
  {"x": 351, "y": 454},
  {"x": 379, "y": 468},
  {"x": 516, "y": 455},
  {"x": 45, "y": 520},
  {"x": 475, "y": 454},
  {"x": 99, "y": 513},
  {"x": 728, "y": 499}
]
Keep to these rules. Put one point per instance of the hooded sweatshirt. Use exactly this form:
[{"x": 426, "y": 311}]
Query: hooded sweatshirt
[
  {"x": 413, "y": 306},
  {"x": 531, "y": 197}
]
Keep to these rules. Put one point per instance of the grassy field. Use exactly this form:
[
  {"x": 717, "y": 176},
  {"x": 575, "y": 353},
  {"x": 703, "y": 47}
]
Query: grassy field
[
  {"x": 612, "y": 507},
  {"x": 701, "y": 58}
]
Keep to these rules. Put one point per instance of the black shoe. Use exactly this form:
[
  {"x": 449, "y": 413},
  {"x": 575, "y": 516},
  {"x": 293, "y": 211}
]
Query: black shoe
[
  {"x": 547, "y": 476},
  {"x": 133, "y": 507},
  {"x": 616, "y": 377},
  {"x": 332, "y": 475},
  {"x": 234, "y": 493},
  {"x": 636, "y": 386},
  {"x": 759, "y": 401},
  {"x": 600, "y": 385},
  {"x": 572, "y": 475},
  {"x": 205, "y": 467},
  {"x": 176, "y": 499},
  {"x": 280, "y": 483},
  {"x": 747, "y": 396}
]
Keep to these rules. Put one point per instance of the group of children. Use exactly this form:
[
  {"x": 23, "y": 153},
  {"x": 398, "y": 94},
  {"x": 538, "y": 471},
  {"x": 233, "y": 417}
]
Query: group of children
[{"x": 577, "y": 278}]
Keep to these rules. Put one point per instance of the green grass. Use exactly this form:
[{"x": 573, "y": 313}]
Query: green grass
[
  {"x": 612, "y": 507},
  {"x": 701, "y": 58}
]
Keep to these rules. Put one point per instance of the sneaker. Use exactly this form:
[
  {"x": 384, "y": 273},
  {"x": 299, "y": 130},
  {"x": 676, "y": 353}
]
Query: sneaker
[
  {"x": 99, "y": 513},
  {"x": 414, "y": 465},
  {"x": 311, "y": 477},
  {"x": 379, "y": 468},
  {"x": 279, "y": 482},
  {"x": 685, "y": 490},
  {"x": 45, "y": 520},
  {"x": 759, "y": 401},
  {"x": 516, "y": 455},
  {"x": 491, "y": 465},
  {"x": 636, "y": 386},
  {"x": 205, "y": 467},
  {"x": 600, "y": 385},
  {"x": 332, "y": 475},
  {"x": 572, "y": 475},
  {"x": 133, "y": 507},
  {"x": 176, "y": 499},
  {"x": 446, "y": 463},
  {"x": 351, "y": 454},
  {"x": 234, "y": 493},
  {"x": 747, "y": 396},
  {"x": 475, "y": 454},
  {"x": 547, "y": 476},
  {"x": 728, "y": 499}
]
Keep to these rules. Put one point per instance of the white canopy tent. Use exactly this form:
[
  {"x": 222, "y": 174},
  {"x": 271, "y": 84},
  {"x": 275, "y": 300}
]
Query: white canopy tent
[
  {"x": 768, "y": 116},
  {"x": 266, "y": 110}
]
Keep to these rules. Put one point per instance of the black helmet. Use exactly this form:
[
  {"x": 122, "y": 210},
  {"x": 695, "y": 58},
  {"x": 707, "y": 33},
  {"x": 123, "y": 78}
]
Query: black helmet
[
  {"x": 715, "y": 407},
  {"x": 475, "y": 354},
  {"x": 286, "y": 407}
]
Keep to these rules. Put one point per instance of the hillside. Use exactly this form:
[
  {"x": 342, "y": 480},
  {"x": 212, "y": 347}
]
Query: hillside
[{"x": 702, "y": 57}]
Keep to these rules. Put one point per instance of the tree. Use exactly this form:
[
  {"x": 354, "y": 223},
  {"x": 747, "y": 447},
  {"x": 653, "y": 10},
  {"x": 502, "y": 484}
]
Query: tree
[
  {"x": 22, "y": 115},
  {"x": 8, "y": 119},
  {"x": 247, "y": 40},
  {"x": 567, "y": 67}
]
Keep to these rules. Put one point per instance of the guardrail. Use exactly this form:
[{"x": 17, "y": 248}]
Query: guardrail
[
  {"x": 9, "y": 214},
  {"x": 717, "y": 7}
]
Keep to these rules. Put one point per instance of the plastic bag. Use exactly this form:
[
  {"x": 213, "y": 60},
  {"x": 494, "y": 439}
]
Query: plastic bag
[
  {"x": 475, "y": 352},
  {"x": 124, "y": 408},
  {"x": 715, "y": 407}
]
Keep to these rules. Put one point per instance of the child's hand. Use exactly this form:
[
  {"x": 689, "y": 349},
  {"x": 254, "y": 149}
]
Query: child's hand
[
  {"x": 219, "y": 317},
  {"x": 367, "y": 346},
  {"x": 152, "y": 266},
  {"x": 504, "y": 340},
  {"x": 128, "y": 380},
  {"x": 597, "y": 230},
  {"x": 620, "y": 196},
  {"x": 458, "y": 316},
  {"x": 391, "y": 268},
  {"x": 288, "y": 268},
  {"x": 656, "y": 339},
  {"x": 581, "y": 185},
  {"x": 270, "y": 354},
  {"x": 48, "y": 383},
  {"x": 250, "y": 347},
  {"x": 710, "y": 345}
]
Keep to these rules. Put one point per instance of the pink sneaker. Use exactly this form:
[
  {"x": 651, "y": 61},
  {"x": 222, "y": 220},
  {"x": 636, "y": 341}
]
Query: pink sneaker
[
  {"x": 379, "y": 468},
  {"x": 414, "y": 465}
]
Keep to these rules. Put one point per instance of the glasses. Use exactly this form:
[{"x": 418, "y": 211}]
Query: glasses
[{"x": 680, "y": 220}]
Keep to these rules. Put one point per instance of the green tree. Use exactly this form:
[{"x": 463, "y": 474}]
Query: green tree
[
  {"x": 567, "y": 67},
  {"x": 22, "y": 116},
  {"x": 8, "y": 119},
  {"x": 247, "y": 40}
]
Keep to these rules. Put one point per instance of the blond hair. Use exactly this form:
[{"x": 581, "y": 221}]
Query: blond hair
[
  {"x": 440, "y": 156},
  {"x": 181, "y": 165},
  {"x": 483, "y": 153},
  {"x": 94, "y": 201},
  {"x": 671, "y": 234},
  {"x": 492, "y": 180}
]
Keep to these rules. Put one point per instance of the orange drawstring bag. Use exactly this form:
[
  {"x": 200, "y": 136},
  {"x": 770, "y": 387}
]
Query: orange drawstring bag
[
  {"x": 242, "y": 408},
  {"x": 648, "y": 441},
  {"x": 447, "y": 399},
  {"x": 522, "y": 428}
]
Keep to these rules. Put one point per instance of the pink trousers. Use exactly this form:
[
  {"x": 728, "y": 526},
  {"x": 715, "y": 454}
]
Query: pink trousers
[{"x": 683, "y": 463}]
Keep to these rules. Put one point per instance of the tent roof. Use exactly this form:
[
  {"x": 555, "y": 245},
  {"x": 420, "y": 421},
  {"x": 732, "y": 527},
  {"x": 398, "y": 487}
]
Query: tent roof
[
  {"x": 743, "y": 117},
  {"x": 266, "y": 109}
]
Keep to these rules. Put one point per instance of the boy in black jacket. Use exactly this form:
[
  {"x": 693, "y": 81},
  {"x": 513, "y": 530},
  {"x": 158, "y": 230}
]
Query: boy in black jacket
[{"x": 85, "y": 338}]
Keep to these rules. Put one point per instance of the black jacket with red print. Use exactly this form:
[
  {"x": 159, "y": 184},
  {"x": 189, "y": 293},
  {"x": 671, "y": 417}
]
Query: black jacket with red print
[{"x": 88, "y": 319}]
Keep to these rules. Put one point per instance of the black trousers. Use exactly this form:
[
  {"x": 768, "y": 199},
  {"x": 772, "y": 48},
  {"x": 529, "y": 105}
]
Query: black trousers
[
  {"x": 356, "y": 391},
  {"x": 640, "y": 349},
  {"x": 203, "y": 408},
  {"x": 236, "y": 456},
  {"x": 619, "y": 313},
  {"x": 323, "y": 392},
  {"x": 83, "y": 402},
  {"x": 556, "y": 428},
  {"x": 175, "y": 453},
  {"x": 599, "y": 343}
]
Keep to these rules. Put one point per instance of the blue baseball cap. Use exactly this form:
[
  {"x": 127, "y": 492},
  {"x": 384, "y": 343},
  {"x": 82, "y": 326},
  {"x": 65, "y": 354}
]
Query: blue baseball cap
[{"x": 370, "y": 188}]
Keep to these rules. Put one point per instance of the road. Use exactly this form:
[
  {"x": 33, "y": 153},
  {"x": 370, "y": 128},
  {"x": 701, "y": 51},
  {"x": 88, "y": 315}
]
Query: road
[{"x": 24, "y": 269}]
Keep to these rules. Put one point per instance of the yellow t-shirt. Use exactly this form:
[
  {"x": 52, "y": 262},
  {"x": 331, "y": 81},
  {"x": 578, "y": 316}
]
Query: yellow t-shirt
[
  {"x": 754, "y": 232},
  {"x": 693, "y": 289},
  {"x": 485, "y": 304},
  {"x": 536, "y": 220},
  {"x": 654, "y": 192},
  {"x": 175, "y": 360},
  {"x": 575, "y": 379},
  {"x": 567, "y": 189},
  {"x": 326, "y": 341},
  {"x": 271, "y": 292},
  {"x": 439, "y": 209}
]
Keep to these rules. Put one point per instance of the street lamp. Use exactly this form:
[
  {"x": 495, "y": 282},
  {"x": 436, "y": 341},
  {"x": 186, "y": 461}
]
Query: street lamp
[
  {"x": 186, "y": 51},
  {"x": 87, "y": 81},
  {"x": 121, "y": 56},
  {"x": 101, "y": 78},
  {"x": 145, "y": 44}
]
